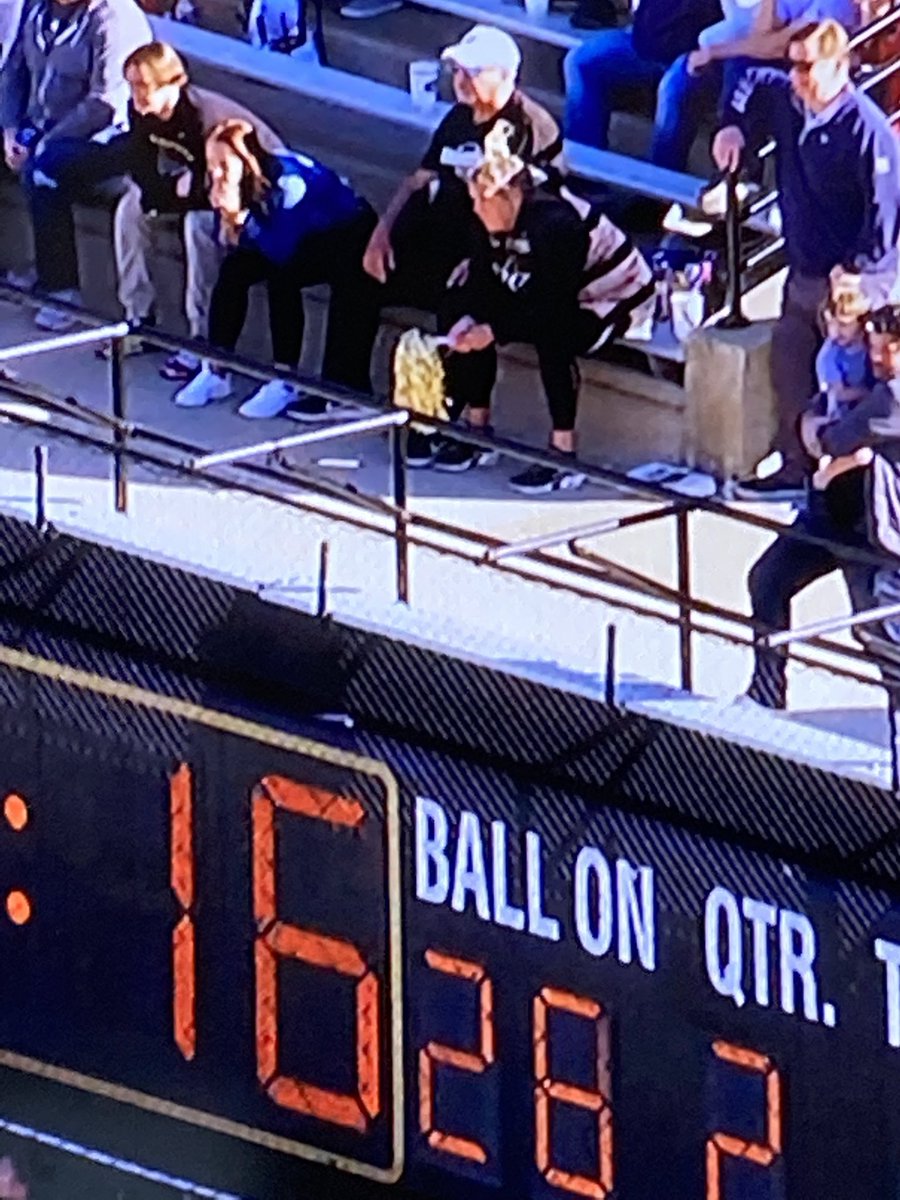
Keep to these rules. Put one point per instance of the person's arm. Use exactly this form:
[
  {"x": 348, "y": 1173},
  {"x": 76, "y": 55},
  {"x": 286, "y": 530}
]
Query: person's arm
[
  {"x": 876, "y": 254},
  {"x": 378, "y": 260},
  {"x": 114, "y": 35},
  {"x": 748, "y": 116},
  {"x": 14, "y": 92},
  {"x": 852, "y": 432}
]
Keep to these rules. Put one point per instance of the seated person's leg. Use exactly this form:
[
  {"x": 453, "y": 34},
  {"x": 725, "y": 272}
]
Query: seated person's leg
[
  {"x": 227, "y": 314},
  {"x": 354, "y": 313},
  {"x": 67, "y": 170},
  {"x": 682, "y": 102},
  {"x": 131, "y": 240},
  {"x": 596, "y": 74}
]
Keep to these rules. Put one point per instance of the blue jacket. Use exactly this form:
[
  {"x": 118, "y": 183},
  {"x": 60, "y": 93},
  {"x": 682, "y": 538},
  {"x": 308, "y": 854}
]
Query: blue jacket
[
  {"x": 306, "y": 198},
  {"x": 838, "y": 173}
]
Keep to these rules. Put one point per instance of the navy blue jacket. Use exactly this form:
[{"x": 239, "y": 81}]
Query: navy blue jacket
[
  {"x": 838, "y": 174},
  {"x": 306, "y": 198}
]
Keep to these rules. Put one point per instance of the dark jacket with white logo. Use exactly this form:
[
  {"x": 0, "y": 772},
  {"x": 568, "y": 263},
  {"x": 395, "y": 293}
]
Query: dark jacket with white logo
[
  {"x": 838, "y": 173},
  {"x": 162, "y": 151}
]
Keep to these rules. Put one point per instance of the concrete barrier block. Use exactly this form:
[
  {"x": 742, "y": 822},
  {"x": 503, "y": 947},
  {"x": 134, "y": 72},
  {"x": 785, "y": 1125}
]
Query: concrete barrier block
[{"x": 730, "y": 405}]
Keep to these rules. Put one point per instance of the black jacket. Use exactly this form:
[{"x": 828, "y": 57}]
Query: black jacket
[{"x": 160, "y": 152}]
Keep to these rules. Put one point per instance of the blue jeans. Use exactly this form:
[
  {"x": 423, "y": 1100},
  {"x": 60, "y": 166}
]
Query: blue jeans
[
  {"x": 69, "y": 170},
  {"x": 601, "y": 72}
]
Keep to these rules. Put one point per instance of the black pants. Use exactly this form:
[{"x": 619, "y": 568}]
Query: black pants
[
  {"x": 333, "y": 257},
  {"x": 70, "y": 170},
  {"x": 470, "y": 377},
  {"x": 796, "y": 339},
  {"x": 785, "y": 569}
]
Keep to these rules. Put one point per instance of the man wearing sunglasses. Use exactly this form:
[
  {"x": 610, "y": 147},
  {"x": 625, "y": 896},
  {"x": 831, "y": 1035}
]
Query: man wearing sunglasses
[{"x": 838, "y": 173}]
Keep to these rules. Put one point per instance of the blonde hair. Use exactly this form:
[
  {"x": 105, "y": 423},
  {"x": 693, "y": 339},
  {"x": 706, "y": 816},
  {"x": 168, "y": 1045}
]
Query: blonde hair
[
  {"x": 160, "y": 61},
  {"x": 826, "y": 39},
  {"x": 500, "y": 168}
]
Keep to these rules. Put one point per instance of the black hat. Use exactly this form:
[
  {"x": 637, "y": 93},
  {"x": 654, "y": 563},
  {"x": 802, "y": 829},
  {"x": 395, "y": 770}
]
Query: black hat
[{"x": 884, "y": 320}]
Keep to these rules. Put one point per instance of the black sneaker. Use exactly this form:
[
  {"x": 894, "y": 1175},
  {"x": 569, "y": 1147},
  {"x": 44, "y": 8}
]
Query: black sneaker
[
  {"x": 782, "y": 486},
  {"x": 421, "y": 449},
  {"x": 462, "y": 456},
  {"x": 537, "y": 480},
  {"x": 315, "y": 409}
]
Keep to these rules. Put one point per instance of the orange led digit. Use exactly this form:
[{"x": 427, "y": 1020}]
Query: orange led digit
[
  {"x": 277, "y": 940},
  {"x": 722, "y": 1145},
  {"x": 548, "y": 1090},
  {"x": 184, "y": 975},
  {"x": 436, "y": 1053}
]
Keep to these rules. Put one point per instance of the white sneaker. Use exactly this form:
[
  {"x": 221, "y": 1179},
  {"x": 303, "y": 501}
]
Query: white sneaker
[
  {"x": 58, "y": 320},
  {"x": 203, "y": 389},
  {"x": 269, "y": 400},
  {"x": 23, "y": 281}
]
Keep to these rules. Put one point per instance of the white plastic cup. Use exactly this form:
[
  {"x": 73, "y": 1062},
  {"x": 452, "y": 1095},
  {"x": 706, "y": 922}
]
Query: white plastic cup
[
  {"x": 424, "y": 74},
  {"x": 536, "y": 9},
  {"x": 687, "y": 313}
]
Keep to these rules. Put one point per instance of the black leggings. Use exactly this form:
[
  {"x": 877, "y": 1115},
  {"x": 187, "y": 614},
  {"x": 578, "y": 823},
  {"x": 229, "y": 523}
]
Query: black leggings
[
  {"x": 470, "y": 377},
  {"x": 333, "y": 257}
]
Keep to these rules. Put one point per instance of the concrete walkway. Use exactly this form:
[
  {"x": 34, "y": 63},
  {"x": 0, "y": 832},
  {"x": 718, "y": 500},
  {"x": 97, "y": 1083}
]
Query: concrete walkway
[{"x": 524, "y": 627}]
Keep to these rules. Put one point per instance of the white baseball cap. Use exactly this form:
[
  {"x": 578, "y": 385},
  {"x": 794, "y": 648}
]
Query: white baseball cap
[{"x": 485, "y": 46}]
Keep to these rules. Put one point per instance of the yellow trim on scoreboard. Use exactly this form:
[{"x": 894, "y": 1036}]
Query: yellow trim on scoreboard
[{"x": 186, "y": 710}]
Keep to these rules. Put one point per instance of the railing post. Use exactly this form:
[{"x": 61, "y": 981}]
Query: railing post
[
  {"x": 322, "y": 589},
  {"x": 117, "y": 385},
  {"x": 611, "y": 665},
  {"x": 683, "y": 540},
  {"x": 401, "y": 537},
  {"x": 40, "y": 488},
  {"x": 734, "y": 318}
]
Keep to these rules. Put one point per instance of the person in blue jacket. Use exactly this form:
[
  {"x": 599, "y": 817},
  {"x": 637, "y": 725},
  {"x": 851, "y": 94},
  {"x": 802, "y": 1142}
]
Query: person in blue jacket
[{"x": 290, "y": 223}]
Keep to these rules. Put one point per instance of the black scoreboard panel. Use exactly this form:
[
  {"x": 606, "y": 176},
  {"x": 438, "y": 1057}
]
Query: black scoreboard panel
[{"x": 242, "y": 956}]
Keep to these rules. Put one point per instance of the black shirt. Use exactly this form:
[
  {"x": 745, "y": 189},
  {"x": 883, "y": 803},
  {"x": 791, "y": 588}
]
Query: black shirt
[
  {"x": 162, "y": 151},
  {"x": 459, "y": 139}
]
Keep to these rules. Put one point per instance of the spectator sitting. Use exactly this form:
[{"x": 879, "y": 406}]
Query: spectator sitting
[
  {"x": 563, "y": 278},
  {"x": 853, "y": 504},
  {"x": 169, "y": 121},
  {"x": 838, "y": 171},
  {"x": 290, "y": 223},
  {"x": 428, "y": 225},
  {"x": 603, "y": 72},
  {"x": 758, "y": 32},
  {"x": 62, "y": 98}
]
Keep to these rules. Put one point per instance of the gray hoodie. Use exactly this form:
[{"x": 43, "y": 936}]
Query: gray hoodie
[{"x": 64, "y": 74}]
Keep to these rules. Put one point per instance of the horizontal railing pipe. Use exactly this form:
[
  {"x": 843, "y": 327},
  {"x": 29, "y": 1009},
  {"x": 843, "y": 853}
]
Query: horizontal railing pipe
[{"x": 291, "y": 441}]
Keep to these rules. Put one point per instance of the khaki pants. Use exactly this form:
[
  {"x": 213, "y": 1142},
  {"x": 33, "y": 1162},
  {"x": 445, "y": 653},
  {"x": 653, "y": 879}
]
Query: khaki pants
[{"x": 133, "y": 235}]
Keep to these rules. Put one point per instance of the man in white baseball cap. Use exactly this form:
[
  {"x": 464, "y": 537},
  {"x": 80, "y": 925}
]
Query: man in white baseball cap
[{"x": 484, "y": 47}]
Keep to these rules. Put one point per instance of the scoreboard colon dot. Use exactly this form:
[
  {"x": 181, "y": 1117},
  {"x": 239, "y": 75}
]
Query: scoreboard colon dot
[{"x": 18, "y": 908}]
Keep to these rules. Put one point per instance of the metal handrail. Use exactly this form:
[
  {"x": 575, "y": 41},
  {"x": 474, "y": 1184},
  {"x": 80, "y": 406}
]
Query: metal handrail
[
  {"x": 870, "y": 616},
  {"x": 581, "y": 574}
]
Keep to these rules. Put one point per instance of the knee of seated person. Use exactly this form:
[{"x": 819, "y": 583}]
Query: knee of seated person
[{"x": 584, "y": 59}]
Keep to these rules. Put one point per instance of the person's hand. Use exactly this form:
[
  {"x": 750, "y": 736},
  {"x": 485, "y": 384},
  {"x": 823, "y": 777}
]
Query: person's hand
[
  {"x": 183, "y": 185},
  {"x": 467, "y": 335},
  {"x": 811, "y": 427},
  {"x": 728, "y": 147},
  {"x": 698, "y": 59},
  {"x": 378, "y": 260},
  {"x": 15, "y": 154}
]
